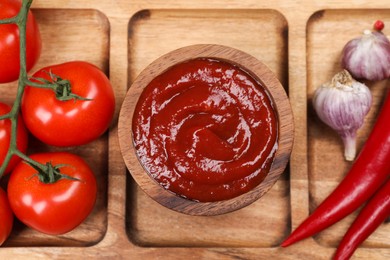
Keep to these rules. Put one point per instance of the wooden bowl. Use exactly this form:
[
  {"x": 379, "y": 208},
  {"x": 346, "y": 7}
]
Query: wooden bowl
[{"x": 257, "y": 70}]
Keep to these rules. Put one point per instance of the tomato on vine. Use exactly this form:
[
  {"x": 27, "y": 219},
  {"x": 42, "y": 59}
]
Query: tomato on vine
[
  {"x": 6, "y": 216},
  {"x": 5, "y": 138},
  {"x": 69, "y": 104},
  {"x": 77, "y": 110},
  {"x": 56, "y": 200},
  {"x": 9, "y": 42}
]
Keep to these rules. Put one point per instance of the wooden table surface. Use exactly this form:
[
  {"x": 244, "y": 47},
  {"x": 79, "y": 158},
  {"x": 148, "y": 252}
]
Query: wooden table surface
[{"x": 300, "y": 41}]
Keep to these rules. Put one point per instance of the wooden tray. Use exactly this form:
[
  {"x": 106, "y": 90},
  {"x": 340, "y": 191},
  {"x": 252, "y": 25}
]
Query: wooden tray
[{"x": 300, "y": 41}]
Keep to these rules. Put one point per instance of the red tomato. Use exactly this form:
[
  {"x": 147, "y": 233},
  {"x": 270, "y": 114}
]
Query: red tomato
[
  {"x": 5, "y": 138},
  {"x": 73, "y": 122},
  {"x": 6, "y": 217},
  {"x": 54, "y": 208},
  {"x": 9, "y": 42}
]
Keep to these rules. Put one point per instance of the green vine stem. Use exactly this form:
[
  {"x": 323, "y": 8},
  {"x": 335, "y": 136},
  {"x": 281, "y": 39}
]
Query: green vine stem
[
  {"x": 21, "y": 21},
  {"x": 60, "y": 86}
]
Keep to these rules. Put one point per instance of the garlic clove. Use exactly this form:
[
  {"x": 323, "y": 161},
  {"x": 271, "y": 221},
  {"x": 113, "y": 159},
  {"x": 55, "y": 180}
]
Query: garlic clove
[
  {"x": 368, "y": 56},
  {"x": 342, "y": 104}
]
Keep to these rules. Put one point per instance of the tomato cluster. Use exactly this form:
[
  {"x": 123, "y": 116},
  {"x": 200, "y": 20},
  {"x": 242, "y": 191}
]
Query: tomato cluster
[{"x": 52, "y": 192}]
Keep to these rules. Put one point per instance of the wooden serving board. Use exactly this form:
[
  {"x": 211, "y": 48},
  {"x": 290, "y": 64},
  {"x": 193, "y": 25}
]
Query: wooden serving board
[{"x": 300, "y": 41}]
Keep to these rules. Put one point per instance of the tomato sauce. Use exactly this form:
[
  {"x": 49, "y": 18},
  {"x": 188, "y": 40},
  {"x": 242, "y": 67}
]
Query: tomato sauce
[{"x": 205, "y": 130}]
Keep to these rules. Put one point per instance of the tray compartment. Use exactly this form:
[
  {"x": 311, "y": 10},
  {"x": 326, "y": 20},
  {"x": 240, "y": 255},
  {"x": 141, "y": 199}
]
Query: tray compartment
[
  {"x": 261, "y": 33},
  {"x": 67, "y": 27},
  {"x": 327, "y": 33}
]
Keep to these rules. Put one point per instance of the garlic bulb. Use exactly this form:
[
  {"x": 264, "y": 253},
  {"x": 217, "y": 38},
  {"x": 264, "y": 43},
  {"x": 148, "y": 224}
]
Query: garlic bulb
[
  {"x": 342, "y": 104},
  {"x": 368, "y": 57}
]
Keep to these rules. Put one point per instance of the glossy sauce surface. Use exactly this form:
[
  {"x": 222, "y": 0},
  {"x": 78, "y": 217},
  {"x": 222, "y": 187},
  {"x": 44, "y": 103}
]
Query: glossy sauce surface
[{"x": 206, "y": 130}]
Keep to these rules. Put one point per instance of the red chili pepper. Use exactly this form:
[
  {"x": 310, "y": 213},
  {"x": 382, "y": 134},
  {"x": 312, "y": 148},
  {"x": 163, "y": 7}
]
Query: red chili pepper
[
  {"x": 372, "y": 215},
  {"x": 369, "y": 171}
]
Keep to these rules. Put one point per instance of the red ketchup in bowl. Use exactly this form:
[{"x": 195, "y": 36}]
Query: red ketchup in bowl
[{"x": 206, "y": 130}]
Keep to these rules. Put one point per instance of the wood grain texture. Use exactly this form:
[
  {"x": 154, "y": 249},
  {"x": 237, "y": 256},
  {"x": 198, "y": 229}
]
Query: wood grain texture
[{"x": 298, "y": 40}]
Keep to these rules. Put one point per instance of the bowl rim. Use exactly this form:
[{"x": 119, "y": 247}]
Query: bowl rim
[{"x": 256, "y": 69}]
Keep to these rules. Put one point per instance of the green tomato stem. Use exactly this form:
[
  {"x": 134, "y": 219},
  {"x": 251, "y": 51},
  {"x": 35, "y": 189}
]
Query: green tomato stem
[
  {"x": 5, "y": 116},
  {"x": 47, "y": 173},
  {"x": 8, "y": 20},
  {"x": 21, "y": 21},
  {"x": 29, "y": 160},
  {"x": 62, "y": 88}
]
